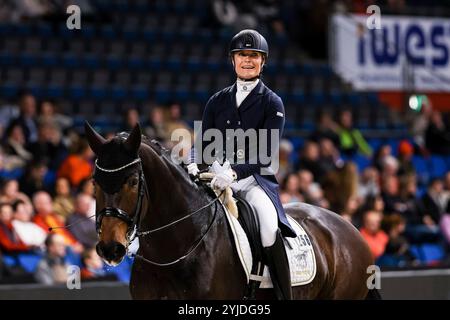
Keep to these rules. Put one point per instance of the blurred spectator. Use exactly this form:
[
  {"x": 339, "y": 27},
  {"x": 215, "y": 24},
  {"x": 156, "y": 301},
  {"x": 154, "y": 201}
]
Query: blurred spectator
[
  {"x": 390, "y": 192},
  {"x": 14, "y": 146},
  {"x": 156, "y": 128},
  {"x": 63, "y": 202},
  {"x": 326, "y": 129},
  {"x": 9, "y": 240},
  {"x": 290, "y": 189},
  {"x": 48, "y": 148},
  {"x": 437, "y": 135},
  {"x": 27, "y": 117},
  {"x": 389, "y": 166},
  {"x": 351, "y": 139},
  {"x": 77, "y": 166},
  {"x": 48, "y": 113},
  {"x": 34, "y": 179},
  {"x": 30, "y": 233},
  {"x": 412, "y": 209},
  {"x": 7, "y": 113},
  {"x": 174, "y": 122},
  {"x": 285, "y": 165},
  {"x": 52, "y": 269},
  {"x": 82, "y": 226},
  {"x": 418, "y": 124},
  {"x": 46, "y": 219},
  {"x": 369, "y": 183},
  {"x": 380, "y": 155},
  {"x": 434, "y": 201},
  {"x": 405, "y": 154},
  {"x": 329, "y": 159},
  {"x": 306, "y": 185},
  {"x": 10, "y": 193},
  {"x": 130, "y": 119},
  {"x": 87, "y": 187},
  {"x": 344, "y": 179},
  {"x": 398, "y": 246},
  {"x": 371, "y": 231},
  {"x": 350, "y": 210},
  {"x": 309, "y": 159}
]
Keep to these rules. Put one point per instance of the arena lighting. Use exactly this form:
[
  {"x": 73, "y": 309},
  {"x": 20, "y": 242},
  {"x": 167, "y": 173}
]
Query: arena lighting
[{"x": 416, "y": 102}]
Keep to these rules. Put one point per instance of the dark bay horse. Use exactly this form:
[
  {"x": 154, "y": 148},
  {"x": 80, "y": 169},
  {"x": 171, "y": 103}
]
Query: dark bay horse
[{"x": 185, "y": 245}]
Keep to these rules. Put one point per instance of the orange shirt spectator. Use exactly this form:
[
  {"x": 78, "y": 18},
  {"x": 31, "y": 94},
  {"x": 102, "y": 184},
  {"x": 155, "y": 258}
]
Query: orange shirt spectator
[
  {"x": 77, "y": 166},
  {"x": 9, "y": 240},
  {"x": 371, "y": 231},
  {"x": 46, "y": 218}
]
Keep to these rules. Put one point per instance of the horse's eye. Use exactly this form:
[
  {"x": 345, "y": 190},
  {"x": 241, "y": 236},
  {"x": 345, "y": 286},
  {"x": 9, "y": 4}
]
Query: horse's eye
[{"x": 133, "y": 182}]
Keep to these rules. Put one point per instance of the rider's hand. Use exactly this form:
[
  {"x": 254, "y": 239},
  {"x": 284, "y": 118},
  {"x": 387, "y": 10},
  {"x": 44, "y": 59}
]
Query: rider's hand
[
  {"x": 223, "y": 180},
  {"x": 193, "y": 169}
]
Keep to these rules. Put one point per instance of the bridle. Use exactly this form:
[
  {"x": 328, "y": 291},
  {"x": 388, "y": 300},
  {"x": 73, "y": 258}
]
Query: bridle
[{"x": 133, "y": 221}]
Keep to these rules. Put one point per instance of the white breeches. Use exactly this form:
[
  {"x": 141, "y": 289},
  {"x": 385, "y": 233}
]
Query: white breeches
[{"x": 249, "y": 189}]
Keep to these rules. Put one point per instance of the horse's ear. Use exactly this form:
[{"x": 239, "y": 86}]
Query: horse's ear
[
  {"x": 133, "y": 141},
  {"x": 95, "y": 140}
]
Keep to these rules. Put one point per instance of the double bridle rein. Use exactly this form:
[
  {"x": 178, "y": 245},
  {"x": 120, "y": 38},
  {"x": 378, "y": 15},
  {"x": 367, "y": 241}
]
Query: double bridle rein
[{"x": 134, "y": 221}]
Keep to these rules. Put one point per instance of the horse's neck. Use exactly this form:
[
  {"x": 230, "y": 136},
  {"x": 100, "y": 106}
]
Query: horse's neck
[{"x": 171, "y": 197}]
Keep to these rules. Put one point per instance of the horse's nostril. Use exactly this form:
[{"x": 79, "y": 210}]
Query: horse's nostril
[
  {"x": 119, "y": 250},
  {"x": 111, "y": 251}
]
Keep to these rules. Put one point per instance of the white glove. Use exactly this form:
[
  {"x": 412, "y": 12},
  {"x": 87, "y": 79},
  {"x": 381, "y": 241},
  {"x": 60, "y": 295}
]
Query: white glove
[
  {"x": 193, "y": 169},
  {"x": 223, "y": 180}
]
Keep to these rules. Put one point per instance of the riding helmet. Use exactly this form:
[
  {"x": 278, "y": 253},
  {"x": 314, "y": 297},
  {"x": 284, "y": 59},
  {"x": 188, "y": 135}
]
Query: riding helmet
[{"x": 249, "y": 39}]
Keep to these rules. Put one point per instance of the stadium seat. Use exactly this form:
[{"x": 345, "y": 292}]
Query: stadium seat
[
  {"x": 29, "y": 261},
  {"x": 437, "y": 166},
  {"x": 421, "y": 167}
]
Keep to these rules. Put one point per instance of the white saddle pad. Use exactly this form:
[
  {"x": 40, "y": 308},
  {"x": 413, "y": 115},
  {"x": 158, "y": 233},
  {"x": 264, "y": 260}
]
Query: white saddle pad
[{"x": 302, "y": 261}]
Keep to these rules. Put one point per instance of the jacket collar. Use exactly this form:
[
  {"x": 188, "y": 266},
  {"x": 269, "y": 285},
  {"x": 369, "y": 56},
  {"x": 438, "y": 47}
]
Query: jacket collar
[{"x": 250, "y": 99}]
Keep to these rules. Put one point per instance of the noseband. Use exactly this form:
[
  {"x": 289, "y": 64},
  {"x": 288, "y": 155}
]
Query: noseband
[{"x": 131, "y": 221}]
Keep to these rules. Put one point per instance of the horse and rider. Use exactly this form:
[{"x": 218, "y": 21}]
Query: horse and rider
[{"x": 141, "y": 192}]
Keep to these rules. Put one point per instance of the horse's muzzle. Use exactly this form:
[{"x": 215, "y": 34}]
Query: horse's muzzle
[{"x": 112, "y": 252}]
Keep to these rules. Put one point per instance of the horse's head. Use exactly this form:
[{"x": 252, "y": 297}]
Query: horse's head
[{"x": 119, "y": 191}]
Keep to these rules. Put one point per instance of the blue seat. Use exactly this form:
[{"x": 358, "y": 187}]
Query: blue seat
[
  {"x": 49, "y": 59},
  {"x": 98, "y": 92},
  {"x": 6, "y": 59},
  {"x": 361, "y": 161},
  {"x": 432, "y": 252},
  {"x": 71, "y": 60},
  {"x": 10, "y": 261},
  {"x": 437, "y": 166},
  {"x": 135, "y": 63},
  {"x": 118, "y": 92},
  {"x": 27, "y": 59},
  {"x": 108, "y": 32},
  {"x": 421, "y": 167},
  {"x": 29, "y": 261},
  {"x": 162, "y": 94},
  {"x": 139, "y": 92},
  {"x": 8, "y": 90},
  {"x": 77, "y": 92},
  {"x": 90, "y": 61},
  {"x": 113, "y": 61},
  {"x": 55, "y": 91}
]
